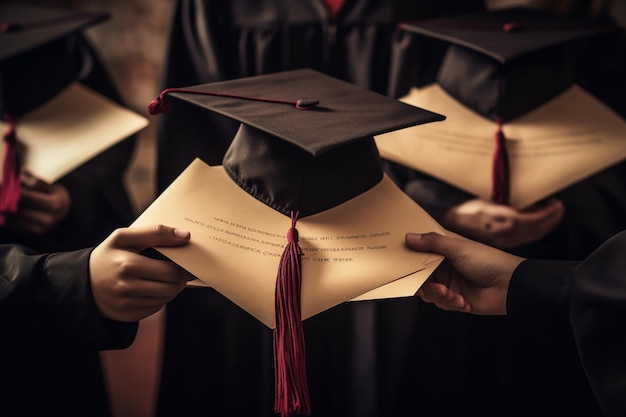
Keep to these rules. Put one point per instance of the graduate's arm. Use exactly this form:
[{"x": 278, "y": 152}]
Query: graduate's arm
[
  {"x": 53, "y": 289},
  {"x": 92, "y": 297}
]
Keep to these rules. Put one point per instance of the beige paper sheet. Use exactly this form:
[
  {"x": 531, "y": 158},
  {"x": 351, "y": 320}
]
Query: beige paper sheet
[
  {"x": 554, "y": 146},
  {"x": 70, "y": 129},
  {"x": 237, "y": 241}
]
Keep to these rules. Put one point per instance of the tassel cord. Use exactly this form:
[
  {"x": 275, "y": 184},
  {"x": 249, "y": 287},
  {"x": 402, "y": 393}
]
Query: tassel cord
[{"x": 160, "y": 105}]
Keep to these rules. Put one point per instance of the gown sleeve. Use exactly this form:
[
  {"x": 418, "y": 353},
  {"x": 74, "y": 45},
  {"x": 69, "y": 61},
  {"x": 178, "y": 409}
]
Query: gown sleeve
[
  {"x": 584, "y": 303},
  {"x": 50, "y": 295}
]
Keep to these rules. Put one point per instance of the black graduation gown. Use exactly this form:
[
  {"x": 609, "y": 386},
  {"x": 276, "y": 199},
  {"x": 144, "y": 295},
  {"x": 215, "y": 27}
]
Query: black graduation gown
[
  {"x": 50, "y": 329},
  {"x": 581, "y": 306},
  {"x": 217, "y": 358},
  {"x": 49, "y": 376}
]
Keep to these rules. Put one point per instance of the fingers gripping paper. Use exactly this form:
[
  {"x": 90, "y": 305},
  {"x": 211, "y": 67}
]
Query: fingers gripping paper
[{"x": 347, "y": 252}]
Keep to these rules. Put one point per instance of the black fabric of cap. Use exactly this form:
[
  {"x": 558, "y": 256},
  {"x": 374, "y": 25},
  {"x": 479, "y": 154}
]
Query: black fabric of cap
[{"x": 34, "y": 61}]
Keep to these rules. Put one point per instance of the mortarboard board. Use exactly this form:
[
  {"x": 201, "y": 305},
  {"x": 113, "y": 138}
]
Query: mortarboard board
[
  {"x": 58, "y": 122},
  {"x": 317, "y": 167},
  {"x": 509, "y": 72},
  {"x": 35, "y": 63}
]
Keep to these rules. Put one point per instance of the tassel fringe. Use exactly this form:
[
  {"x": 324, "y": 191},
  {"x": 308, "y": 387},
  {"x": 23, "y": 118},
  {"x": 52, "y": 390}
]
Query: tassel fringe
[
  {"x": 500, "y": 187},
  {"x": 292, "y": 392},
  {"x": 11, "y": 188}
]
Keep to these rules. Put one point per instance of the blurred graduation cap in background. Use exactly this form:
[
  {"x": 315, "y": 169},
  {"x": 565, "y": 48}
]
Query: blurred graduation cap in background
[
  {"x": 301, "y": 191},
  {"x": 518, "y": 128},
  {"x": 51, "y": 123}
]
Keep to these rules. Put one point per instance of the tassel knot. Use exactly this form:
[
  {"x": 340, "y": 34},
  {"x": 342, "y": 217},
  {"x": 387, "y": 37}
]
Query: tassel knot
[
  {"x": 159, "y": 105},
  {"x": 292, "y": 235}
]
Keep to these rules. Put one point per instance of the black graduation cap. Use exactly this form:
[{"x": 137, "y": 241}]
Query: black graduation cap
[
  {"x": 302, "y": 154},
  {"x": 35, "y": 65},
  {"x": 305, "y": 147},
  {"x": 505, "y": 63}
]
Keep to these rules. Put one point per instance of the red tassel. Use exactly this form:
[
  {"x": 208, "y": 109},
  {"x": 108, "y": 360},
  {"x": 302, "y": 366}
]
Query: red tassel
[
  {"x": 11, "y": 188},
  {"x": 292, "y": 391},
  {"x": 500, "y": 187}
]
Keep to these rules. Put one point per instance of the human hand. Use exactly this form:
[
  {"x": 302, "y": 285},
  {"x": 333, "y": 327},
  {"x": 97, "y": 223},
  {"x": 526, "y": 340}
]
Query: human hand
[
  {"x": 474, "y": 278},
  {"x": 41, "y": 208},
  {"x": 503, "y": 226},
  {"x": 128, "y": 286}
]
